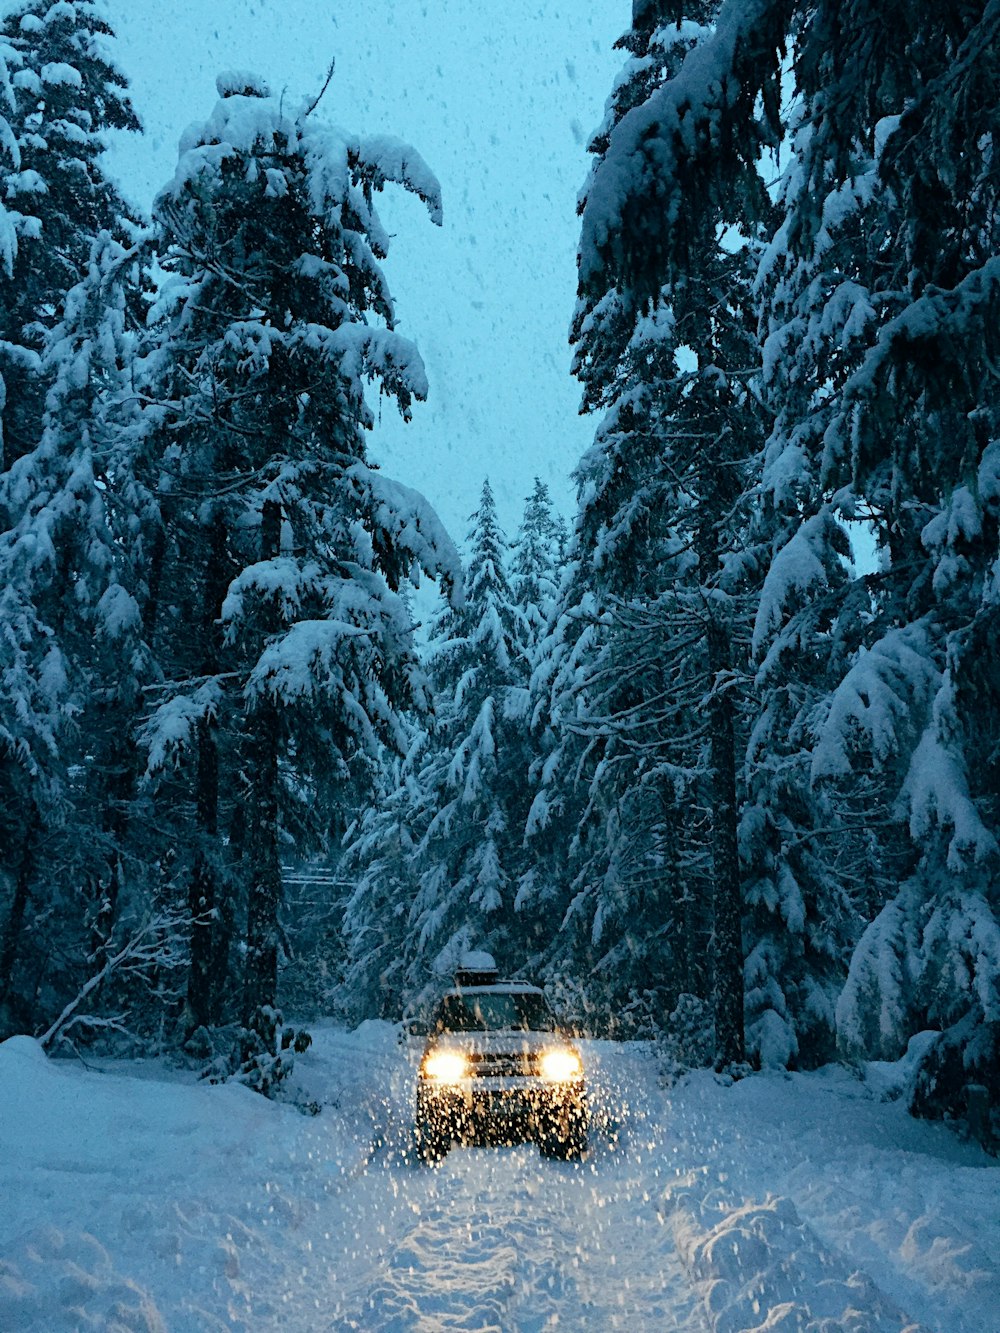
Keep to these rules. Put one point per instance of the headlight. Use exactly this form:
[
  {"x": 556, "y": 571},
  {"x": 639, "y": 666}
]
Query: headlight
[
  {"x": 561, "y": 1066},
  {"x": 445, "y": 1066}
]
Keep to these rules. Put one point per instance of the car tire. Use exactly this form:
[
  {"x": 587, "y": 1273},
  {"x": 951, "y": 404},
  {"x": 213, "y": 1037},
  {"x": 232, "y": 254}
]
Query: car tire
[
  {"x": 432, "y": 1146},
  {"x": 563, "y": 1138},
  {"x": 432, "y": 1131}
]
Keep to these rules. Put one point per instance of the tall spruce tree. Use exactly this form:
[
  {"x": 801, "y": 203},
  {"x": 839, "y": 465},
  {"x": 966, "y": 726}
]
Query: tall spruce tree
[
  {"x": 887, "y": 277},
  {"x": 665, "y": 346},
  {"x": 278, "y": 615},
  {"x": 468, "y": 860},
  {"x": 67, "y": 94},
  {"x": 72, "y": 655},
  {"x": 381, "y": 858},
  {"x": 536, "y": 558}
]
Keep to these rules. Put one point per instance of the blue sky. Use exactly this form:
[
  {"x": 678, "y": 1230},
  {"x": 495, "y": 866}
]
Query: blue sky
[{"x": 500, "y": 97}]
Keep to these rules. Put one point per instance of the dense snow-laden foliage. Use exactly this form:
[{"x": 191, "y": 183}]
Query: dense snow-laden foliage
[
  {"x": 65, "y": 92},
  {"x": 199, "y": 555},
  {"x": 669, "y": 159},
  {"x": 70, "y": 652},
  {"x": 281, "y": 626},
  {"x": 72, "y": 655},
  {"x": 877, "y": 300},
  {"x": 881, "y": 299},
  {"x": 467, "y": 860},
  {"x": 439, "y": 859},
  {"x": 648, "y": 717},
  {"x": 380, "y": 859}
]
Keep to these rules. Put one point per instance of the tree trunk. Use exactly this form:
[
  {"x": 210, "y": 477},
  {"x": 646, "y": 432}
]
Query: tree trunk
[
  {"x": 205, "y": 889},
  {"x": 202, "y": 887},
  {"x": 727, "y": 956},
  {"x": 686, "y": 926},
  {"x": 11, "y": 938},
  {"x": 261, "y": 977}
]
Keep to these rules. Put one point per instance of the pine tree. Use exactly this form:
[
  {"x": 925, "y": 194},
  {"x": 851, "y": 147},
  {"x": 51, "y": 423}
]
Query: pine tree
[
  {"x": 62, "y": 94},
  {"x": 381, "y": 857},
  {"x": 887, "y": 277},
  {"x": 536, "y": 558},
  {"x": 665, "y": 346},
  {"x": 67, "y": 93},
  {"x": 468, "y": 860},
  {"x": 72, "y": 652},
  {"x": 808, "y": 857},
  {"x": 284, "y": 549}
]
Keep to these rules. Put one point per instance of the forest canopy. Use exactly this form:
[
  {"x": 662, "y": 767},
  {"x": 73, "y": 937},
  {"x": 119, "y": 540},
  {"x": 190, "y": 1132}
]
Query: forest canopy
[{"x": 716, "y": 757}]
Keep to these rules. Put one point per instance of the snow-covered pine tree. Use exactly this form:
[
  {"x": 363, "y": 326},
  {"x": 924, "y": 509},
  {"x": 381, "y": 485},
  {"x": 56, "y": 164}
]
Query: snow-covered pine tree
[
  {"x": 67, "y": 92},
  {"x": 890, "y": 293},
  {"x": 811, "y": 855},
  {"x": 618, "y": 750},
  {"x": 469, "y": 858},
  {"x": 278, "y": 617},
  {"x": 535, "y": 564},
  {"x": 71, "y": 656},
  {"x": 808, "y": 858},
  {"x": 381, "y": 859},
  {"x": 888, "y": 279},
  {"x": 665, "y": 346}
]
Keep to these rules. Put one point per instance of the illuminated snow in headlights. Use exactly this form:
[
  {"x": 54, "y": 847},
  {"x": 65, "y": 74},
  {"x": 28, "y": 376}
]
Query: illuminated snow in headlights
[
  {"x": 561, "y": 1065},
  {"x": 445, "y": 1066}
]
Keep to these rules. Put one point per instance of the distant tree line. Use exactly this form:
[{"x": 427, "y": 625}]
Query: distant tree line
[{"x": 720, "y": 762}]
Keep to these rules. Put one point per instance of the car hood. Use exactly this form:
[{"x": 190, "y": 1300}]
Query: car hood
[{"x": 500, "y": 1042}]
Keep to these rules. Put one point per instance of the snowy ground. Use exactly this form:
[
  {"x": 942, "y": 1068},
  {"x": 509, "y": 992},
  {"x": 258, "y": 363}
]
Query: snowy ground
[{"x": 132, "y": 1198}]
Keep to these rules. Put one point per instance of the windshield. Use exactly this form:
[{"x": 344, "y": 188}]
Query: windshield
[{"x": 489, "y": 1011}]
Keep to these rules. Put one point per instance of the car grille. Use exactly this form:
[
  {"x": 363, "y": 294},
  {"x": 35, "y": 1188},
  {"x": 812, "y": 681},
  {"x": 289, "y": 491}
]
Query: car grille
[{"x": 490, "y": 1064}]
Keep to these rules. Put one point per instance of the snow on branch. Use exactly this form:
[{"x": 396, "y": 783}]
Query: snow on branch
[
  {"x": 947, "y": 319},
  {"x": 883, "y": 694},
  {"x": 874, "y": 1008},
  {"x": 360, "y": 350},
  {"x": 803, "y": 566},
  {"x": 403, "y": 518},
  {"x": 284, "y": 581},
  {"x": 379, "y": 159},
  {"x": 666, "y": 147},
  {"x": 963, "y": 934},
  {"x": 937, "y": 788},
  {"x": 171, "y": 730},
  {"x": 149, "y": 947}
]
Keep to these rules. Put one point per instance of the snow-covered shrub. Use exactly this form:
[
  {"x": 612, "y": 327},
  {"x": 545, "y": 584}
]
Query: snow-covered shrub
[
  {"x": 688, "y": 1040},
  {"x": 262, "y": 1056}
]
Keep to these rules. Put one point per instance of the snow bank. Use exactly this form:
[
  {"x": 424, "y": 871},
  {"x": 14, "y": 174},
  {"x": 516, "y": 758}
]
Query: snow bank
[
  {"x": 135, "y": 1198},
  {"x": 808, "y": 1202},
  {"x": 149, "y": 1201},
  {"x": 760, "y": 1267}
]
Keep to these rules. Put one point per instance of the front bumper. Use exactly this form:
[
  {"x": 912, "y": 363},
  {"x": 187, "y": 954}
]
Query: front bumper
[{"x": 485, "y": 1109}]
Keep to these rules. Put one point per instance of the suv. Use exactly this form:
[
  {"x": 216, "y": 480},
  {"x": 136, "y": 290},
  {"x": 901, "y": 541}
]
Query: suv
[{"x": 497, "y": 1068}]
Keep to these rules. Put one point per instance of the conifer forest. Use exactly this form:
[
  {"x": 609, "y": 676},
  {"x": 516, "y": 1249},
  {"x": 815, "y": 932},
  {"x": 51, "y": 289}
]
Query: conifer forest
[{"x": 715, "y": 756}]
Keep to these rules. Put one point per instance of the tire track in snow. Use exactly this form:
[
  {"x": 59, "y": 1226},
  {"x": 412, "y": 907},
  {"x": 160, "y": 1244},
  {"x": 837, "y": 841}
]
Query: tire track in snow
[{"x": 499, "y": 1241}]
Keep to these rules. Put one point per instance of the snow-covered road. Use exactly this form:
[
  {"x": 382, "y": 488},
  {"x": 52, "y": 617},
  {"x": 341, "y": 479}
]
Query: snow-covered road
[
  {"x": 132, "y": 1198},
  {"x": 495, "y": 1238}
]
